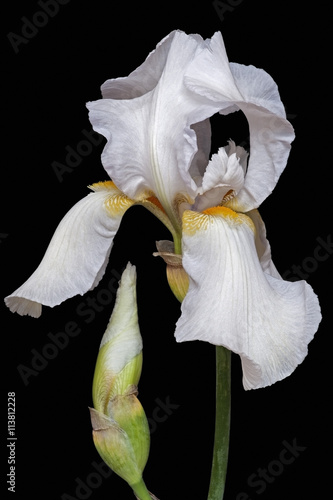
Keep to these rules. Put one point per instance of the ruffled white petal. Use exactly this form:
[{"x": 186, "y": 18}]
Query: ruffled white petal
[
  {"x": 151, "y": 143},
  {"x": 240, "y": 152},
  {"x": 231, "y": 301},
  {"x": 210, "y": 76},
  {"x": 262, "y": 244},
  {"x": 270, "y": 134},
  {"x": 223, "y": 174},
  {"x": 144, "y": 78},
  {"x": 78, "y": 253},
  {"x": 253, "y": 91}
]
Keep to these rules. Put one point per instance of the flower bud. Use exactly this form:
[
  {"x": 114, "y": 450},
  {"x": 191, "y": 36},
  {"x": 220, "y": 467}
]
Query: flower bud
[
  {"x": 176, "y": 275},
  {"x": 119, "y": 360},
  {"x": 120, "y": 427}
]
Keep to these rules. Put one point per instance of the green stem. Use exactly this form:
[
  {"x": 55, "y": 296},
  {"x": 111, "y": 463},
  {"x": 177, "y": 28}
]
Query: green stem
[
  {"x": 222, "y": 424},
  {"x": 177, "y": 240},
  {"x": 141, "y": 491}
]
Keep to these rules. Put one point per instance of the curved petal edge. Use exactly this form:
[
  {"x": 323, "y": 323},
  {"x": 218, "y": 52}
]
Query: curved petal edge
[
  {"x": 232, "y": 302},
  {"x": 78, "y": 253}
]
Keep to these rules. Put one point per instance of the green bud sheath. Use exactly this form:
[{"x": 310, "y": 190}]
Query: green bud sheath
[
  {"x": 129, "y": 414},
  {"x": 115, "y": 448},
  {"x": 108, "y": 384}
]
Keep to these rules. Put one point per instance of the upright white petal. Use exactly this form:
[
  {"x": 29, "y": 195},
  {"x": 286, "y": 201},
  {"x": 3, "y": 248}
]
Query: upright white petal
[
  {"x": 78, "y": 253},
  {"x": 201, "y": 158},
  {"x": 209, "y": 74},
  {"x": 144, "y": 78},
  {"x": 151, "y": 143},
  {"x": 270, "y": 134},
  {"x": 232, "y": 302},
  {"x": 224, "y": 174},
  {"x": 240, "y": 152},
  {"x": 253, "y": 91}
]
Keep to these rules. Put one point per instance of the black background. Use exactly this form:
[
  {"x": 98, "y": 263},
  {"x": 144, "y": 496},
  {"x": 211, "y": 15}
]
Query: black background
[{"x": 46, "y": 85}]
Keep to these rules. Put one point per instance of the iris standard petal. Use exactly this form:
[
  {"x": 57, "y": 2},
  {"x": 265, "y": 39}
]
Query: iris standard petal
[
  {"x": 253, "y": 91},
  {"x": 201, "y": 158},
  {"x": 210, "y": 76},
  {"x": 144, "y": 78},
  {"x": 232, "y": 302},
  {"x": 271, "y": 134},
  {"x": 78, "y": 253},
  {"x": 151, "y": 142}
]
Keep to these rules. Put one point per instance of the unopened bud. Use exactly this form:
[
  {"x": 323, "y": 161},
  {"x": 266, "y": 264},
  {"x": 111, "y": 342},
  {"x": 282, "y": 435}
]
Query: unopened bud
[
  {"x": 176, "y": 275},
  {"x": 119, "y": 360},
  {"x": 120, "y": 427}
]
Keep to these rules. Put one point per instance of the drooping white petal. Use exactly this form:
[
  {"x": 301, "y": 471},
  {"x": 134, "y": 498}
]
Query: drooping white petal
[
  {"x": 78, "y": 253},
  {"x": 231, "y": 301},
  {"x": 150, "y": 140},
  {"x": 253, "y": 91},
  {"x": 223, "y": 174},
  {"x": 262, "y": 244}
]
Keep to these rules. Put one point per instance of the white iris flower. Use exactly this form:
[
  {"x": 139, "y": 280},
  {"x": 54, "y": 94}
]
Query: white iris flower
[{"x": 156, "y": 122}]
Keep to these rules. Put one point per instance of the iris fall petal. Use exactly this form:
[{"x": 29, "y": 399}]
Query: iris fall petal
[
  {"x": 267, "y": 321},
  {"x": 78, "y": 253}
]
